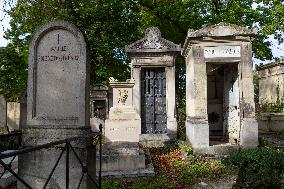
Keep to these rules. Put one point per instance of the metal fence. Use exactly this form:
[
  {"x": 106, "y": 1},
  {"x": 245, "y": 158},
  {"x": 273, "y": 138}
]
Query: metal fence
[{"x": 96, "y": 139}]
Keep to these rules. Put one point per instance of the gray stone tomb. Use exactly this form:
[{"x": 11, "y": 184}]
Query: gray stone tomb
[
  {"x": 153, "y": 69},
  {"x": 57, "y": 103},
  {"x": 219, "y": 87}
]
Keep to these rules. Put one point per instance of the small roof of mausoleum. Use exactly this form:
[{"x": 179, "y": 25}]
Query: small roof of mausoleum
[
  {"x": 152, "y": 43},
  {"x": 221, "y": 30}
]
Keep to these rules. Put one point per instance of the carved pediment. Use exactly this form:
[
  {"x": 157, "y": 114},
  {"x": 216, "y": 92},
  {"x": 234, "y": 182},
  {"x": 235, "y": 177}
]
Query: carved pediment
[
  {"x": 153, "y": 42},
  {"x": 222, "y": 29}
]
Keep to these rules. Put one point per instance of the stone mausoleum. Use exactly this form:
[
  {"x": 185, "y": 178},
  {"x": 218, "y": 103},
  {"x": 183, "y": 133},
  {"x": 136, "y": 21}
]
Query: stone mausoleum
[
  {"x": 219, "y": 87},
  {"x": 153, "y": 70}
]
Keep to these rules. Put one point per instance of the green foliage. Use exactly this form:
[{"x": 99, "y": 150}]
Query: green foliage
[
  {"x": 110, "y": 25},
  {"x": 13, "y": 73},
  {"x": 258, "y": 168},
  {"x": 277, "y": 107},
  {"x": 181, "y": 118},
  {"x": 280, "y": 133}
]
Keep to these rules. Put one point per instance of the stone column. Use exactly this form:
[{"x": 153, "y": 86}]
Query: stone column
[
  {"x": 197, "y": 128},
  {"x": 136, "y": 73},
  {"x": 171, "y": 101},
  {"x": 249, "y": 126}
]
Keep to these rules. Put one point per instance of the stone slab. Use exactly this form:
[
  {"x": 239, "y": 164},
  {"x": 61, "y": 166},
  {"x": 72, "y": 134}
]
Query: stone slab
[
  {"x": 156, "y": 140},
  {"x": 58, "y": 86},
  {"x": 147, "y": 172},
  {"x": 13, "y": 115},
  {"x": 197, "y": 133},
  {"x": 249, "y": 133},
  {"x": 122, "y": 157}
]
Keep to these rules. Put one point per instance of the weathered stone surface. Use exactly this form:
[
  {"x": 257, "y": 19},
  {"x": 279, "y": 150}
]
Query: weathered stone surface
[
  {"x": 13, "y": 115},
  {"x": 219, "y": 84},
  {"x": 57, "y": 103},
  {"x": 123, "y": 119},
  {"x": 271, "y": 122},
  {"x": 152, "y": 42},
  {"x": 57, "y": 76},
  {"x": 3, "y": 109},
  {"x": 123, "y": 159},
  {"x": 271, "y": 82},
  {"x": 249, "y": 133},
  {"x": 197, "y": 132},
  {"x": 153, "y": 51}
]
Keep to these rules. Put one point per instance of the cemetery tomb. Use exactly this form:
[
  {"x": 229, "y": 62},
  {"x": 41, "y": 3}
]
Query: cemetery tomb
[
  {"x": 153, "y": 70},
  {"x": 219, "y": 88}
]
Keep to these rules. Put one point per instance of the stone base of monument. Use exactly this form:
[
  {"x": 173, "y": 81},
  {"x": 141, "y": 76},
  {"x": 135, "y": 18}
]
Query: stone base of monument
[
  {"x": 35, "y": 167},
  {"x": 197, "y": 133},
  {"x": 121, "y": 159},
  {"x": 156, "y": 140},
  {"x": 249, "y": 133},
  {"x": 160, "y": 140},
  {"x": 124, "y": 124}
]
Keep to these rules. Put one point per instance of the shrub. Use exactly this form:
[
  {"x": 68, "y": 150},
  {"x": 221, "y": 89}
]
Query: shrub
[{"x": 258, "y": 168}]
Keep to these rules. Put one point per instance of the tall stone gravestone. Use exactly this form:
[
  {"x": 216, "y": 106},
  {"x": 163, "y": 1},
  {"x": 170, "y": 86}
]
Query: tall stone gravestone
[{"x": 57, "y": 103}]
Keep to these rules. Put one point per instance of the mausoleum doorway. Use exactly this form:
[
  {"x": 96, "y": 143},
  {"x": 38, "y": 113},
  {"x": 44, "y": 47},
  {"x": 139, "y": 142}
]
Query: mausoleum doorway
[{"x": 223, "y": 109}]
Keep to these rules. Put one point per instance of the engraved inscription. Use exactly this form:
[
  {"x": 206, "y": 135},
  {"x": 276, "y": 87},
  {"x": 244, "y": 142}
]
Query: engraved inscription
[
  {"x": 58, "y": 53},
  {"x": 222, "y": 52},
  {"x": 58, "y": 78}
]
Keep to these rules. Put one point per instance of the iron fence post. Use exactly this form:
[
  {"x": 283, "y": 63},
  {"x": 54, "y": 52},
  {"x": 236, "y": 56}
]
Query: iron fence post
[
  {"x": 100, "y": 171},
  {"x": 67, "y": 165}
]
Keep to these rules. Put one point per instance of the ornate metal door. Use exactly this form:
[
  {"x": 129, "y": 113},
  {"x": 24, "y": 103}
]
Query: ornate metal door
[{"x": 153, "y": 107}]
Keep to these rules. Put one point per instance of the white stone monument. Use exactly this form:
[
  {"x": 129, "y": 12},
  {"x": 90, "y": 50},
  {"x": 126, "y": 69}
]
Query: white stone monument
[
  {"x": 57, "y": 103},
  {"x": 124, "y": 123}
]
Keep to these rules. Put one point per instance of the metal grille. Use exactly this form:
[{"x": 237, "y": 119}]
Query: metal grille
[{"x": 154, "y": 118}]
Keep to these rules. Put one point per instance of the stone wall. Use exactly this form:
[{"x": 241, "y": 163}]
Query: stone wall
[
  {"x": 271, "y": 122},
  {"x": 271, "y": 80},
  {"x": 13, "y": 115}
]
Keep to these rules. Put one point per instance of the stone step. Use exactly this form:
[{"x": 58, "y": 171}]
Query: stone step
[{"x": 7, "y": 179}]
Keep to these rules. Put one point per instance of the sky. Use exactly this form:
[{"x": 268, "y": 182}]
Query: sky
[{"x": 277, "y": 50}]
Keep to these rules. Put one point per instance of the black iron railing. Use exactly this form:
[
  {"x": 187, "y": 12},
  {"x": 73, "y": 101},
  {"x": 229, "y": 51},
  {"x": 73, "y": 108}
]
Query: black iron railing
[{"x": 67, "y": 148}]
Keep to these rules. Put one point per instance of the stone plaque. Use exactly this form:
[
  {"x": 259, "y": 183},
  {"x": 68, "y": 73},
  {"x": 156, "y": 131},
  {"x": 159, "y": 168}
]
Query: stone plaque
[
  {"x": 222, "y": 52},
  {"x": 57, "y": 76}
]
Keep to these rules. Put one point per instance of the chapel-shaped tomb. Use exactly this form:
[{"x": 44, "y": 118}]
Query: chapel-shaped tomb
[
  {"x": 153, "y": 69},
  {"x": 219, "y": 87}
]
